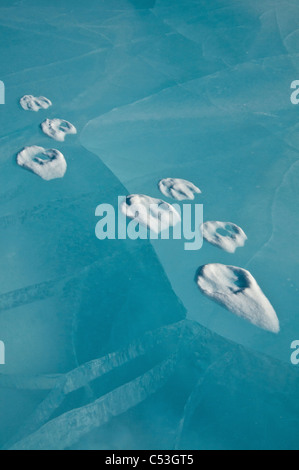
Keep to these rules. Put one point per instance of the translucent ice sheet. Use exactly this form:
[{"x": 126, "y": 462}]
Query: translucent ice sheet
[{"x": 110, "y": 344}]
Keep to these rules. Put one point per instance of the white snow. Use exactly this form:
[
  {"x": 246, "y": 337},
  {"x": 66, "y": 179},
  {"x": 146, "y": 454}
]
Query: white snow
[
  {"x": 155, "y": 214},
  {"x": 57, "y": 129},
  {"x": 178, "y": 189},
  {"x": 237, "y": 290},
  {"x": 48, "y": 164},
  {"x": 33, "y": 103},
  {"x": 225, "y": 235}
]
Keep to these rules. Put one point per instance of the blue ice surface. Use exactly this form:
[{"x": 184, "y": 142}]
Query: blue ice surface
[{"x": 115, "y": 335}]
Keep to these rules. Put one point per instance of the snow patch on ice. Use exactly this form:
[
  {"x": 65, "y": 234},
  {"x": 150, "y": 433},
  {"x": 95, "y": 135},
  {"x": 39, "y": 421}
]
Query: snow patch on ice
[
  {"x": 57, "y": 129},
  {"x": 33, "y": 103},
  {"x": 178, "y": 189},
  {"x": 48, "y": 164},
  {"x": 237, "y": 290},
  {"x": 225, "y": 235},
  {"x": 155, "y": 214}
]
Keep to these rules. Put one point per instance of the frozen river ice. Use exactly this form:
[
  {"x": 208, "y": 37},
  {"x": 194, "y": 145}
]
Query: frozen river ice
[{"x": 116, "y": 334}]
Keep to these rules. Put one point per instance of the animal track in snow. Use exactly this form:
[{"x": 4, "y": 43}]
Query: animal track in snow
[
  {"x": 58, "y": 129},
  {"x": 32, "y": 103},
  {"x": 48, "y": 164}
]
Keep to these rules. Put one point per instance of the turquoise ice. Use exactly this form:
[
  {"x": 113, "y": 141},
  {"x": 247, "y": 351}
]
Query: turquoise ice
[{"x": 116, "y": 334}]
